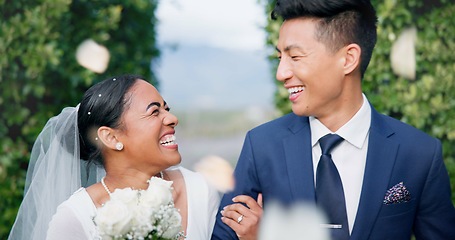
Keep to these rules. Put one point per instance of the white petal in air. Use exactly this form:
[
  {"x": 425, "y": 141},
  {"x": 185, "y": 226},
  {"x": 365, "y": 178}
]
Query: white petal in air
[
  {"x": 300, "y": 221},
  {"x": 93, "y": 56},
  {"x": 403, "y": 54},
  {"x": 217, "y": 171}
]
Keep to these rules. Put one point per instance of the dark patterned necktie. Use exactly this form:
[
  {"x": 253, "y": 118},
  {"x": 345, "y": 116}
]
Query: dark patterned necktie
[{"x": 329, "y": 189}]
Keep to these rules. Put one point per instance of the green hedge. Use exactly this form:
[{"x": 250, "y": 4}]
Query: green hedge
[
  {"x": 428, "y": 101},
  {"x": 39, "y": 74}
]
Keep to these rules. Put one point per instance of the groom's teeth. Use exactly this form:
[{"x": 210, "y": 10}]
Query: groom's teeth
[{"x": 295, "y": 89}]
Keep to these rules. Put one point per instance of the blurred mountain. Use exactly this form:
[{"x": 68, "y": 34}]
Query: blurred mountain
[{"x": 216, "y": 132}]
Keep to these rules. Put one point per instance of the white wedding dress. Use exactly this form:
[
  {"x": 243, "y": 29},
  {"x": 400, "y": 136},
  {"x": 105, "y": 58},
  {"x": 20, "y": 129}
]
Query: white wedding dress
[{"x": 74, "y": 217}]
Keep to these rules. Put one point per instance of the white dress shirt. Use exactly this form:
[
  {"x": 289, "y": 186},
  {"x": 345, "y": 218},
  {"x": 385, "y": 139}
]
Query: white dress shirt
[{"x": 349, "y": 156}]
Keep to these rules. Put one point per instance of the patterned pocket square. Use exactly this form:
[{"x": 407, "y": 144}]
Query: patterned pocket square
[{"x": 397, "y": 194}]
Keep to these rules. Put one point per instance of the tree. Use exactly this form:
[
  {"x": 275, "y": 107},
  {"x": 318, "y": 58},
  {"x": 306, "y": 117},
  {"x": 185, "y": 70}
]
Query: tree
[
  {"x": 425, "y": 101},
  {"x": 39, "y": 74}
]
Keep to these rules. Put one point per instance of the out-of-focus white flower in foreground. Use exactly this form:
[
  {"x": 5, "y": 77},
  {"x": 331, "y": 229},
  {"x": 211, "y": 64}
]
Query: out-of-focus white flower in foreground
[
  {"x": 217, "y": 171},
  {"x": 301, "y": 221},
  {"x": 403, "y": 54},
  {"x": 93, "y": 56}
]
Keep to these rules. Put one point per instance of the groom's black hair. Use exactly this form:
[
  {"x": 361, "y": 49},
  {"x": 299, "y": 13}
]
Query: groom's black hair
[{"x": 341, "y": 22}]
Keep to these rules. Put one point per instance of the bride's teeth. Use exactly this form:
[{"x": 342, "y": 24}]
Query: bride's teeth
[{"x": 295, "y": 89}]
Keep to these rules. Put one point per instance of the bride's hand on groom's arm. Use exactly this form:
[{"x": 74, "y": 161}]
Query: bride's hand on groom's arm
[{"x": 244, "y": 220}]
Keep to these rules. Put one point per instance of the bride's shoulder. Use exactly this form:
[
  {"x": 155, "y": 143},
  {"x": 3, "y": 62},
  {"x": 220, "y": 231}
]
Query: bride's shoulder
[
  {"x": 187, "y": 177},
  {"x": 97, "y": 194},
  {"x": 81, "y": 193},
  {"x": 79, "y": 196},
  {"x": 189, "y": 174},
  {"x": 179, "y": 171}
]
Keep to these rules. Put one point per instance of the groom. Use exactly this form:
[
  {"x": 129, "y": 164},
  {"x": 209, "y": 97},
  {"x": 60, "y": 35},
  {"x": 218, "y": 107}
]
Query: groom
[{"x": 381, "y": 179}]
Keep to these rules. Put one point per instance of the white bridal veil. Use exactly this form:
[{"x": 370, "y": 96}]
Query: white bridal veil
[{"x": 55, "y": 172}]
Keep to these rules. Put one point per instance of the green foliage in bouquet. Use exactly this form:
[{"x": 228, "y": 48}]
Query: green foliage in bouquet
[
  {"x": 39, "y": 74},
  {"x": 427, "y": 101}
]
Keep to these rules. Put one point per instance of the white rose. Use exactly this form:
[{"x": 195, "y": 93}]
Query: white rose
[
  {"x": 155, "y": 181},
  {"x": 126, "y": 195},
  {"x": 158, "y": 193},
  {"x": 114, "y": 218}
]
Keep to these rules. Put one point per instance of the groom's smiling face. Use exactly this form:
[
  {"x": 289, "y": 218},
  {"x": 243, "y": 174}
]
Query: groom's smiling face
[{"x": 312, "y": 73}]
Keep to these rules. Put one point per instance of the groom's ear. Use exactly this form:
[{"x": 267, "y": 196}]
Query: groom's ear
[
  {"x": 352, "y": 54},
  {"x": 107, "y": 137}
]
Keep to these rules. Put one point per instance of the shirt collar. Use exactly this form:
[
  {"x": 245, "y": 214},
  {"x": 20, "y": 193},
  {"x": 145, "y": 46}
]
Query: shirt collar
[{"x": 355, "y": 131}]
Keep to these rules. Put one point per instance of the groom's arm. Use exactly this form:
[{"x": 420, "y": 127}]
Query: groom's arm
[
  {"x": 246, "y": 183},
  {"x": 436, "y": 214}
]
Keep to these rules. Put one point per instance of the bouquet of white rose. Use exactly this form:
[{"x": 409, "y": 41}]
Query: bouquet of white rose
[{"x": 140, "y": 214}]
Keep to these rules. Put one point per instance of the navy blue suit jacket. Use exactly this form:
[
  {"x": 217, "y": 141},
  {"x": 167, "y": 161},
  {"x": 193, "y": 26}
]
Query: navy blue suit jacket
[{"x": 276, "y": 160}]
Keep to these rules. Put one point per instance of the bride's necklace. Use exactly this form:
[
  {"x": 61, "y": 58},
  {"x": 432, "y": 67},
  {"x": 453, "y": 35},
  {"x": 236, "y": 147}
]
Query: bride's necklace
[{"x": 109, "y": 192}]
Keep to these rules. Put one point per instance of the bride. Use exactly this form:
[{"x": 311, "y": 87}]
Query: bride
[{"x": 122, "y": 133}]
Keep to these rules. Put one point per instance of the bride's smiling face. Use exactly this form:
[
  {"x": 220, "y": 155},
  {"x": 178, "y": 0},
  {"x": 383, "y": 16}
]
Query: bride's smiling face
[{"x": 147, "y": 130}]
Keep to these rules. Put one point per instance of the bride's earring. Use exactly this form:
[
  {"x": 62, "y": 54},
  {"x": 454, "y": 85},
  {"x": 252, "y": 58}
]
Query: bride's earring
[{"x": 119, "y": 146}]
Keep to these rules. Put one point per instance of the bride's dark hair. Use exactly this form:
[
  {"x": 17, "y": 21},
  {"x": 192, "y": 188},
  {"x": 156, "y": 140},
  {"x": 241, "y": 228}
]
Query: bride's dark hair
[
  {"x": 102, "y": 105},
  {"x": 55, "y": 167}
]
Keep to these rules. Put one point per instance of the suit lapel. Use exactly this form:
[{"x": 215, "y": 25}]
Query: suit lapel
[
  {"x": 380, "y": 160},
  {"x": 298, "y": 157}
]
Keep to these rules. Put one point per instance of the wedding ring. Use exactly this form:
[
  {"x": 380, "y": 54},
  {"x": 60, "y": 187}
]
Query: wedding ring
[{"x": 239, "y": 219}]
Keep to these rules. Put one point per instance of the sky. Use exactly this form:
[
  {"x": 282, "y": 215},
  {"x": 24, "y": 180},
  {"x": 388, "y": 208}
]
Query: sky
[
  {"x": 227, "y": 24},
  {"x": 213, "y": 54}
]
